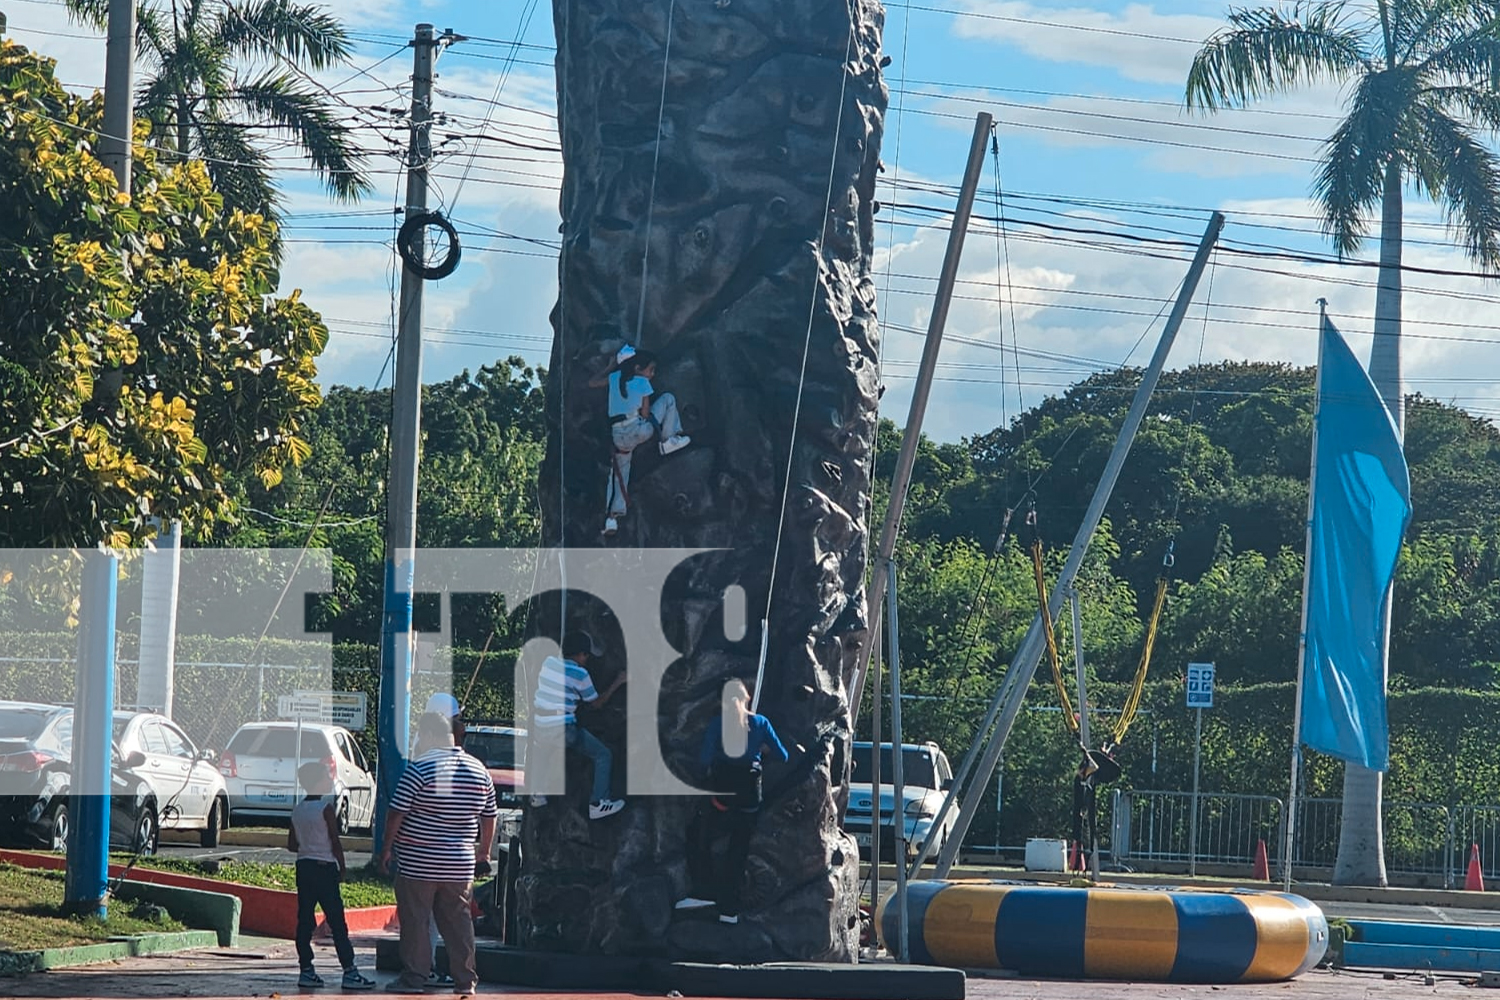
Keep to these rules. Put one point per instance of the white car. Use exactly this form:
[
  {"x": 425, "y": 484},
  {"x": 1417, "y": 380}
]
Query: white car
[
  {"x": 260, "y": 766},
  {"x": 926, "y": 778},
  {"x": 190, "y": 792}
]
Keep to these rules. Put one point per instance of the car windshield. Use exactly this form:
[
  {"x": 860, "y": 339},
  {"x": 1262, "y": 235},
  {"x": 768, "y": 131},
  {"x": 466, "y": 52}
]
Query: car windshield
[
  {"x": 497, "y": 750},
  {"x": 916, "y": 767},
  {"x": 277, "y": 743},
  {"x": 22, "y": 723}
]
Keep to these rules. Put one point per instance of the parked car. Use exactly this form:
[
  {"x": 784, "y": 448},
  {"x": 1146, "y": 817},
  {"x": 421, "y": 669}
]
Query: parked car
[
  {"x": 260, "y": 766},
  {"x": 926, "y": 777},
  {"x": 502, "y": 750},
  {"x": 36, "y": 747},
  {"x": 185, "y": 780}
]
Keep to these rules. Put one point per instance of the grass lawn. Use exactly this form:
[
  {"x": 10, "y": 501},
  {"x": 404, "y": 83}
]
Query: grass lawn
[
  {"x": 362, "y": 887},
  {"x": 31, "y": 914}
]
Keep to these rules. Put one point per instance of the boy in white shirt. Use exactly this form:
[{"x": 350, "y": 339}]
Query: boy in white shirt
[{"x": 314, "y": 834}]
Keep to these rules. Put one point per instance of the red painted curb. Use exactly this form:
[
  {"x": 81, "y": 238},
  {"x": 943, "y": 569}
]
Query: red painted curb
[{"x": 271, "y": 912}]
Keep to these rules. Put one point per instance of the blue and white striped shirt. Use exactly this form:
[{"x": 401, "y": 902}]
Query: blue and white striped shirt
[
  {"x": 561, "y": 685},
  {"x": 444, "y": 793}
]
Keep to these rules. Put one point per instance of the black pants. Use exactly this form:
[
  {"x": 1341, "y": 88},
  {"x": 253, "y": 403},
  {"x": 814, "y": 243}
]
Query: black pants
[
  {"x": 318, "y": 885},
  {"x": 732, "y": 813}
]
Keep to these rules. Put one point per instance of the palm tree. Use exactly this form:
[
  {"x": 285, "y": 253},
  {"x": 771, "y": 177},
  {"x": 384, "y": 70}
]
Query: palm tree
[
  {"x": 1421, "y": 78},
  {"x": 219, "y": 72}
]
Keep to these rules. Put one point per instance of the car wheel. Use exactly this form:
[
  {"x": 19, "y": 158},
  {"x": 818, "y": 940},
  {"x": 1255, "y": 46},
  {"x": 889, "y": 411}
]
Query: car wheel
[
  {"x": 210, "y": 835},
  {"x": 343, "y": 816},
  {"x": 58, "y": 828},
  {"x": 147, "y": 830}
]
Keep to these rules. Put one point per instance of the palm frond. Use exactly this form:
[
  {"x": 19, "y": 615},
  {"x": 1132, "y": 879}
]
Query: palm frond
[
  {"x": 1473, "y": 57},
  {"x": 94, "y": 13},
  {"x": 1350, "y": 180},
  {"x": 304, "y": 114},
  {"x": 1420, "y": 27},
  {"x": 1478, "y": 104},
  {"x": 1269, "y": 50},
  {"x": 240, "y": 171},
  {"x": 306, "y": 34},
  {"x": 1467, "y": 182}
]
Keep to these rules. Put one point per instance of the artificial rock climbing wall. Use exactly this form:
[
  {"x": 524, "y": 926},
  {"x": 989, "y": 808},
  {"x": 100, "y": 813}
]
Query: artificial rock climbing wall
[{"x": 762, "y": 218}]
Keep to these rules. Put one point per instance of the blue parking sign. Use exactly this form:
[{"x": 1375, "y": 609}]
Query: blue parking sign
[{"x": 1200, "y": 685}]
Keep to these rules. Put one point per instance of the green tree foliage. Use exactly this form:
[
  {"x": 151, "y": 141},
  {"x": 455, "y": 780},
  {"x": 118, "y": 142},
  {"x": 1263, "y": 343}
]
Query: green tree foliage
[
  {"x": 482, "y": 439},
  {"x": 146, "y": 359}
]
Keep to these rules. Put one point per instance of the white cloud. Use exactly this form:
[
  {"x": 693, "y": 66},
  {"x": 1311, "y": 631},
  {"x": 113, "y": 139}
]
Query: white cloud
[
  {"x": 1135, "y": 41},
  {"x": 1076, "y": 305}
]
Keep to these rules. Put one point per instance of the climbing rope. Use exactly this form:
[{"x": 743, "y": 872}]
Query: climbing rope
[
  {"x": 812, "y": 308},
  {"x": 661, "y": 114}
]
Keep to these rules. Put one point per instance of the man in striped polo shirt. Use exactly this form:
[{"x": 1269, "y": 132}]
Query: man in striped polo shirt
[
  {"x": 561, "y": 685},
  {"x": 443, "y": 802}
]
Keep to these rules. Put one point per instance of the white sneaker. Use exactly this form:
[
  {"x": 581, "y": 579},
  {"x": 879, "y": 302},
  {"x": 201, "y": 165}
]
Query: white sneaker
[
  {"x": 676, "y": 442},
  {"x": 692, "y": 903},
  {"x": 537, "y": 801},
  {"x": 605, "y": 807},
  {"x": 728, "y": 918},
  {"x": 611, "y": 525}
]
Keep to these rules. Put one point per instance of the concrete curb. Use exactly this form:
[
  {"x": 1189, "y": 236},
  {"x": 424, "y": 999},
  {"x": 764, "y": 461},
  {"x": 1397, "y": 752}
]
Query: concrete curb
[
  {"x": 16, "y": 963},
  {"x": 259, "y": 838},
  {"x": 217, "y": 911},
  {"x": 272, "y": 912}
]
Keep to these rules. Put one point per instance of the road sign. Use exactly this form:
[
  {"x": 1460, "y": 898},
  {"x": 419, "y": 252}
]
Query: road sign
[
  {"x": 336, "y": 708},
  {"x": 1200, "y": 685}
]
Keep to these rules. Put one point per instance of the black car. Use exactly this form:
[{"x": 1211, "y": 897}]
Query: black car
[{"x": 36, "y": 745}]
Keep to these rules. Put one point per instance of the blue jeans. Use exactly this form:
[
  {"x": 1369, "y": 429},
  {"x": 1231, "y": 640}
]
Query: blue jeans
[{"x": 575, "y": 737}]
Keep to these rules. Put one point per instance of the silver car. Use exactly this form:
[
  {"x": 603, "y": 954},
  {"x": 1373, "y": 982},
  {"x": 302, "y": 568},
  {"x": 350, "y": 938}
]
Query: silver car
[
  {"x": 190, "y": 792},
  {"x": 260, "y": 766}
]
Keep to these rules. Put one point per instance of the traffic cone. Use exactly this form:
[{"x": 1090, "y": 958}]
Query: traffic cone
[
  {"x": 1262, "y": 871},
  {"x": 1474, "y": 880}
]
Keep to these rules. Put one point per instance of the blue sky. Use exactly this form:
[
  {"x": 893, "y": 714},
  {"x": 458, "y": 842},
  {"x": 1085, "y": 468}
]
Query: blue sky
[{"x": 1093, "y": 135}]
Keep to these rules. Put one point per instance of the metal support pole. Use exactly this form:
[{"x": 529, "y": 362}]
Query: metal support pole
[
  {"x": 93, "y": 738},
  {"x": 1007, "y": 701},
  {"x": 161, "y": 575},
  {"x": 898, "y": 776},
  {"x": 1193, "y": 821},
  {"x": 406, "y": 429},
  {"x": 907, "y": 457},
  {"x": 1312, "y": 485},
  {"x": 875, "y": 727},
  {"x": 119, "y": 94}
]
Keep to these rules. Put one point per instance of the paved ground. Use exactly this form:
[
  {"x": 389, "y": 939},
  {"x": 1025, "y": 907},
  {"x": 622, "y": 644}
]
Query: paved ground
[
  {"x": 269, "y": 969},
  {"x": 355, "y": 859}
]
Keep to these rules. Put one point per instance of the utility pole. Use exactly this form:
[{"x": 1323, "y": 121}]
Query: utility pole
[
  {"x": 907, "y": 458},
  {"x": 1007, "y": 701},
  {"x": 86, "y": 885},
  {"x": 119, "y": 96},
  {"x": 406, "y": 433}
]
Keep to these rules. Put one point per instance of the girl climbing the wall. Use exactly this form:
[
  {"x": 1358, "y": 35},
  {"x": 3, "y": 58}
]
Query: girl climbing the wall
[{"x": 637, "y": 413}]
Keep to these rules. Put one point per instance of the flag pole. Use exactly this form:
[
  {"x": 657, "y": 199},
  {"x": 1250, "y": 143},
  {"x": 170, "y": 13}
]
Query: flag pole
[{"x": 1312, "y": 483}]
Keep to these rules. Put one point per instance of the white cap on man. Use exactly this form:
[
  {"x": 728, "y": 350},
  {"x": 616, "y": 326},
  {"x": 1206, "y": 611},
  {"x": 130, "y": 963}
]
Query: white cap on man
[
  {"x": 444, "y": 704},
  {"x": 623, "y": 354}
]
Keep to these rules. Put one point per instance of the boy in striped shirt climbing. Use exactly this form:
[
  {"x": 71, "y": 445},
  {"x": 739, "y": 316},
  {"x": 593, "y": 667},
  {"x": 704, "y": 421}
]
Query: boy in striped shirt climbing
[{"x": 563, "y": 683}]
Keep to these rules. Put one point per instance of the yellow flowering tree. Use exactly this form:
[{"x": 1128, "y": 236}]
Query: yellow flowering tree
[{"x": 144, "y": 357}]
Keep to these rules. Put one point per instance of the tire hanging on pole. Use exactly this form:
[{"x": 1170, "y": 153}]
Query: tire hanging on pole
[{"x": 406, "y": 240}]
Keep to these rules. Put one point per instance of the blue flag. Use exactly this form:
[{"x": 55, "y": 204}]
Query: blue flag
[{"x": 1360, "y": 506}]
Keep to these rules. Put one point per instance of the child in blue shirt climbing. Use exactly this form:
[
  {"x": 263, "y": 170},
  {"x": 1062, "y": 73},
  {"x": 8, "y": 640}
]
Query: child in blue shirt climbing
[{"x": 731, "y": 758}]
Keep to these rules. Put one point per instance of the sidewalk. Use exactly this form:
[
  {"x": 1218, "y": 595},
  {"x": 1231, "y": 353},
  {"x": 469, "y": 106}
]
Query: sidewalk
[{"x": 260, "y": 967}]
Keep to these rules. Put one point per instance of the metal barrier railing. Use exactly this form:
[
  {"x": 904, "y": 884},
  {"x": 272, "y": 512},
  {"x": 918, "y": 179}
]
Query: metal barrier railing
[
  {"x": 1155, "y": 826},
  {"x": 1421, "y": 838}
]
